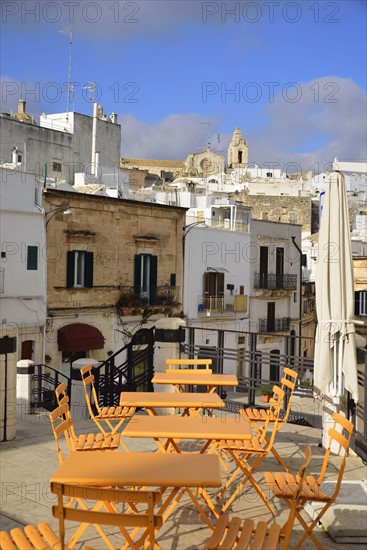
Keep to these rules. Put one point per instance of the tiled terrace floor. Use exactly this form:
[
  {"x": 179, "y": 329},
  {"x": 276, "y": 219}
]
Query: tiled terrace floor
[{"x": 28, "y": 462}]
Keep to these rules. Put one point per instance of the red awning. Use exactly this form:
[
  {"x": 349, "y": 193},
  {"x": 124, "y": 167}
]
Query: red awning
[{"x": 79, "y": 337}]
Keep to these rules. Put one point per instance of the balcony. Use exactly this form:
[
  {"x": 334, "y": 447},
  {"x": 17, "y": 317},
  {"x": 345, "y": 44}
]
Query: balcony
[
  {"x": 223, "y": 304},
  {"x": 282, "y": 324},
  {"x": 161, "y": 296},
  {"x": 274, "y": 281}
]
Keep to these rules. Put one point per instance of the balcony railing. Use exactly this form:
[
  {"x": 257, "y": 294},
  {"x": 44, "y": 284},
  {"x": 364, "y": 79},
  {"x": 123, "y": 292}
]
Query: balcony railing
[
  {"x": 274, "y": 281},
  {"x": 154, "y": 296},
  {"x": 223, "y": 304},
  {"x": 282, "y": 324}
]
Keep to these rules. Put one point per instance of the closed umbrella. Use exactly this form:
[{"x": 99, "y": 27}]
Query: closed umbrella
[{"x": 335, "y": 350}]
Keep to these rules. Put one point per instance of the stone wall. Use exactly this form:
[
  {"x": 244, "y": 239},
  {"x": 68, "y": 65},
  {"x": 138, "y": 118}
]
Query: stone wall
[{"x": 280, "y": 209}]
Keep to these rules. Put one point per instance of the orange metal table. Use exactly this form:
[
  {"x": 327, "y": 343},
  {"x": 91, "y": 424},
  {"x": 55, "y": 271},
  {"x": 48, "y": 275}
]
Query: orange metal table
[
  {"x": 193, "y": 377},
  {"x": 174, "y": 474},
  {"x": 192, "y": 403},
  {"x": 174, "y": 428}
]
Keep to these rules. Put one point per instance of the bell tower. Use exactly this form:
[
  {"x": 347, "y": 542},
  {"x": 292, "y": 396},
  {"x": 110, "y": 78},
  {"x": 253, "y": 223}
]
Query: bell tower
[{"x": 237, "y": 150}]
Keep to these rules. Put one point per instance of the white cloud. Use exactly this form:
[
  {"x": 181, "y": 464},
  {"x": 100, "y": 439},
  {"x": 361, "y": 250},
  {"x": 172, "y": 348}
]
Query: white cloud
[
  {"x": 174, "y": 137},
  {"x": 331, "y": 112}
]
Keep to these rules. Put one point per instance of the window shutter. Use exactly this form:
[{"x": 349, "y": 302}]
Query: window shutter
[
  {"x": 356, "y": 302},
  {"x": 206, "y": 284},
  {"x": 88, "y": 272},
  {"x": 32, "y": 258},
  {"x": 172, "y": 280},
  {"x": 153, "y": 279},
  {"x": 220, "y": 284},
  {"x": 70, "y": 268},
  {"x": 137, "y": 274}
]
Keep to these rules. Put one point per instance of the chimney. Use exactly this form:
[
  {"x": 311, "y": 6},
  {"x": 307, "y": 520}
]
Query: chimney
[
  {"x": 14, "y": 155},
  {"x": 113, "y": 118},
  {"x": 21, "y": 106}
]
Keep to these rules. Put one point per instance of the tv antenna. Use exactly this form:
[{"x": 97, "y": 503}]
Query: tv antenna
[
  {"x": 70, "y": 87},
  {"x": 209, "y": 125},
  {"x": 91, "y": 92}
]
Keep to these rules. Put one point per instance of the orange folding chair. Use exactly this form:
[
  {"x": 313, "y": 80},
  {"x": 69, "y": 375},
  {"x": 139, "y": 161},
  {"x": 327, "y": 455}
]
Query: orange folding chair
[
  {"x": 259, "y": 416},
  {"x": 248, "y": 455},
  {"x": 240, "y": 535},
  {"x": 282, "y": 485},
  {"x": 43, "y": 537},
  {"x": 62, "y": 424},
  {"x": 113, "y": 416}
]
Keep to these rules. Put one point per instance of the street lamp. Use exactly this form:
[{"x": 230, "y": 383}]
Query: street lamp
[
  {"x": 191, "y": 225},
  {"x": 65, "y": 209}
]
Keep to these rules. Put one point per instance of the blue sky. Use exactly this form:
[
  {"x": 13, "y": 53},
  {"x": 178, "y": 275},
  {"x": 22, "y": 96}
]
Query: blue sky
[{"x": 291, "y": 75}]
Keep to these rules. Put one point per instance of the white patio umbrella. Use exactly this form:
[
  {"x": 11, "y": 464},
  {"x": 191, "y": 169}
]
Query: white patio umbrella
[{"x": 335, "y": 365}]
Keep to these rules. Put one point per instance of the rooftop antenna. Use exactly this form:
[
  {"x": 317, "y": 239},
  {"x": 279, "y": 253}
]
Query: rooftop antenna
[
  {"x": 209, "y": 129},
  {"x": 70, "y": 88}
]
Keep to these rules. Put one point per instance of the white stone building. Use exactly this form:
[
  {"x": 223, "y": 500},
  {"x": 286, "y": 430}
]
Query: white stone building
[
  {"x": 242, "y": 275},
  {"x": 61, "y": 145},
  {"x": 22, "y": 281}
]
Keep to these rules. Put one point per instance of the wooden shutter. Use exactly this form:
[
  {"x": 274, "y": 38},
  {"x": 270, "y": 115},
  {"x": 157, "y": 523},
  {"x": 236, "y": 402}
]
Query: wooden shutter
[
  {"x": 153, "y": 279},
  {"x": 70, "y": 269},
  {"x": 220, "y": 284},
  {"x": 27, "y": 349},
  {"x": 263, "y": 260},
  {"x": 356, "y": 302},
  {"x": 206, "y": 283},
  {"x": 32, "y": 258},
  {"x": 88, "y": 270},
  {"x": 137, "y": 274}
]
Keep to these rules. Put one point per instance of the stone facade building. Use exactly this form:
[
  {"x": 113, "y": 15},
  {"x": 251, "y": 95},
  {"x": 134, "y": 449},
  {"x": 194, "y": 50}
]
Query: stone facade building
[
  {"x": 204, "y": 164},
  {"x": 113, "y": 265}
]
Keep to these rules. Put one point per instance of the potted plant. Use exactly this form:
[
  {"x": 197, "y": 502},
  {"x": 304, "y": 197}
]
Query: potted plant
[
  {"x": 266, "y": 392},
  {"x": 304, "y": 385}
]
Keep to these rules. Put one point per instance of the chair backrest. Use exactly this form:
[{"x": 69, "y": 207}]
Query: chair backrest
[
  {"x": 287, "y": 530},
  {"x": 336, "y": 435},
  {"x": 288, "y": 384},
  {"x": 61, "y": 395},
  {"x": 276, "y": 401},
  {"x": 275, "y": 404},
  {"x": 62, "y": 424},
  {"x": 146, "y": 519},
  {"x": 178, "y": 363},
  {"x": 88, "y": 381}
]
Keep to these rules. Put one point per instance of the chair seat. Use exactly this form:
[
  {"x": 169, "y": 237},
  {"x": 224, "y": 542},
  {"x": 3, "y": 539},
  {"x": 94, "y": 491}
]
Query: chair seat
[
  {"x": 116, "y": 412},
  {"x": 284, "y": 486},
  {"x": 241, "y": 535},
  {"x": 260, "y": 415},
  {"x": 95, "y": 442},
  {"x": 252, "y": 445},
  {"x": 40, "y": 538}
]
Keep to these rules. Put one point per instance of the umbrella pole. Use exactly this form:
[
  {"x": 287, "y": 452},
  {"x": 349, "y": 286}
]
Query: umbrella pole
[
  {"x": 340, "y": 368},
  {"x": 335, "y": 369}
]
